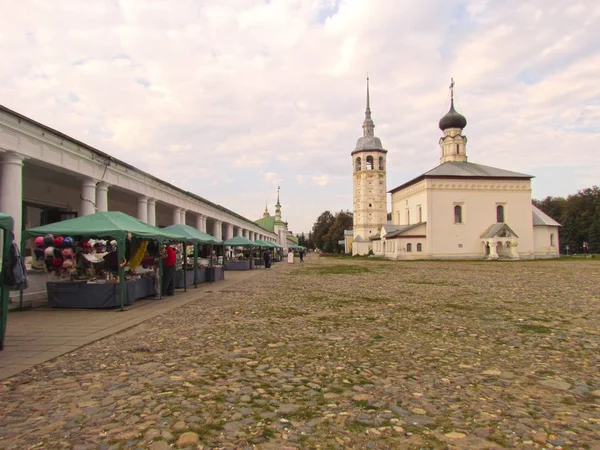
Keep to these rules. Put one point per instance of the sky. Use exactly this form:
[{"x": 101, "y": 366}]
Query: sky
[{"x": 230, "y": 99}]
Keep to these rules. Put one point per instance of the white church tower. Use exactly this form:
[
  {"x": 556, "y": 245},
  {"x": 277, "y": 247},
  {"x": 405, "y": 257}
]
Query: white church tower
[
  {"x": 454, "y": 143},
  {"x": 370, "y": 192}
]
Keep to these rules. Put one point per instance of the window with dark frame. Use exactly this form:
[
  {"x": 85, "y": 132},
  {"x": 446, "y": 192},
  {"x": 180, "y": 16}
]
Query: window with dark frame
[{"x": 457, "y": 214}]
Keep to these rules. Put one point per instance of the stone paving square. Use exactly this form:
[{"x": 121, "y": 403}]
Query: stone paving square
[{"x": 336, "y": 353}]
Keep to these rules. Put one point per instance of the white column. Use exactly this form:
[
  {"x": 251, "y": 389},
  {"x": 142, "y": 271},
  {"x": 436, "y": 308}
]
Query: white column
[
  {"x": 88, "y": 197},
  {"x": 11, "y": 190},
  {"x": 183, "y": 214},
  {"x": 142, "y": 209},
  {"x": 228, "y": 231},
  {"x": 102, "y": 197},
  {"x": 199, "y": 222},
  {"x": 204, "y": 228},
  {"x": 217, "y": 232},
  {"x": 152, "y": 212},
  {"x": 176, "y": 216},
  {"x": 240, "y": 231}
]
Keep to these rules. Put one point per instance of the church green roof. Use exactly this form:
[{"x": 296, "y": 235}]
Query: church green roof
[{"x": 268, "y": 223}]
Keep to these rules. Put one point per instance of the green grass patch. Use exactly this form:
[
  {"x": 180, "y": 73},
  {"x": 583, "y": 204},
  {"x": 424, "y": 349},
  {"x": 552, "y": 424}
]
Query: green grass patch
[
  {"x": 374, "y": 299},
  {"x": 434, "y": 283},
  {"x": 334, "y": 270},
  {"x": 540, "y": 329},
  {"x": 363, "y": 404},
  {"x": 358, "y": 427}
]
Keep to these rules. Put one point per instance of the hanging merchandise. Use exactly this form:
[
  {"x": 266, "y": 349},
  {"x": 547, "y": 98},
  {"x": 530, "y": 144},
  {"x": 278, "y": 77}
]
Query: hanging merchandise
[{"x": 138, "y": 256}]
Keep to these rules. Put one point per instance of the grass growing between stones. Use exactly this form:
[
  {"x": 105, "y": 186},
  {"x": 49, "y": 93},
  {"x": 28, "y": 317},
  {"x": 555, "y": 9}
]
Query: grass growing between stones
[
  {"x": 334, "y": 270},
  {"x": 540, "y": 329}
]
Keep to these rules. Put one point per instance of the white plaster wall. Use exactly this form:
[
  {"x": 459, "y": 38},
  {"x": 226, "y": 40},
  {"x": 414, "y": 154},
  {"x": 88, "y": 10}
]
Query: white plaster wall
[
  {"x": 402, "y": 200},
  {"x": 479, "y": 200},
  {"x": 541, "y": 242}
]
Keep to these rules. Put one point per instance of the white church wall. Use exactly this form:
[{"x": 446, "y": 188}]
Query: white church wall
[
  {"x": 478, "y": 200},
  {"x": 545, "y": 242},
  {"x": 410, "y": 199}
]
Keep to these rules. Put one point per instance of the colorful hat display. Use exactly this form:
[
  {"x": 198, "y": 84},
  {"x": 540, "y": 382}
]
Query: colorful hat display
[
  {"x": 49, "y": 252},
  {"x": 48, "y": 240},
  {"x": 68, "y": 242},
  {"x": 58, "y": 241},
  {"x": 39, "y": 241},
  {"x": 67, "y": 253}
]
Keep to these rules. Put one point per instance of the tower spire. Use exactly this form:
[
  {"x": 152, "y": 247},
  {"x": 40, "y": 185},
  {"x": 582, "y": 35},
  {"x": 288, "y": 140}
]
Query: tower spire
[
  {"x": 452, "y": 90},
  {"x": 368, "y": 125},
  {"x": 278, "y": 207}
]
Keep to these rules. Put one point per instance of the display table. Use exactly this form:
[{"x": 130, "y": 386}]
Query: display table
[
  {"x": 238, "y": 265},
  {"x": 81, "y": 294},
  {"x": 189, "y": 277},
  {"x": 214, "y": 274}
]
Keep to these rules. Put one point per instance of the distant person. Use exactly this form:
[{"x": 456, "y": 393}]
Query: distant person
[
  {"x": 301, "y": 255},
  {"x": 267, "y": 258},
  {"x": 169, "y": 261}
]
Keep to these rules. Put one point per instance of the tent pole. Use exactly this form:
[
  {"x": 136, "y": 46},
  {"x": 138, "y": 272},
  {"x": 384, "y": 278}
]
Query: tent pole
[
  {"x": 120, "y": 257},
  {"x": 185, "y": 267},
  {"x": 196, "y": 265},
  {"x": 160, "y": 271},
  {"x": 22, "y": 250}
]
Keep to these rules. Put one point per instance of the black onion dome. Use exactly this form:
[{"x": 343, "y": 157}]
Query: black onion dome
[{"x": 452, "y": 119}]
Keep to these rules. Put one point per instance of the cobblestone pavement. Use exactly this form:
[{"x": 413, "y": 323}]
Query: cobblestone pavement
[{"x": 337, "y": 353}]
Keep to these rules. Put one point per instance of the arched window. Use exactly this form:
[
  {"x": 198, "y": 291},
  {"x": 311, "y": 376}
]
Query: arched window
[
  {"x": 381, "y": 163},
  {"x": 500, "y": 214},
  {"x": 551, "y": 239},
  {"x": 457, "y": 214},
  {"x": 369, "y": 163},
  {"x": 419, "y": 247},
  {"x": 409, "y": 247},
  {"x": 358, "y": 167},
  {"x": 457, "y": 149}
]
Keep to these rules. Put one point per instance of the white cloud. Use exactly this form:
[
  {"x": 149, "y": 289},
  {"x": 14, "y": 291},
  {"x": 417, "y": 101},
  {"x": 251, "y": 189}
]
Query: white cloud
[
  {"x": 246, "y": 88},
  {"x": 321, "y": 180}
]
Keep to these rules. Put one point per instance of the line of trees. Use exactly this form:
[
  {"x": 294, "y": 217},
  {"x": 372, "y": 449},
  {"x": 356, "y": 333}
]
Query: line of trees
[
  {"x": 579, "y": 215},
  {"x": 327, "y": 231}
]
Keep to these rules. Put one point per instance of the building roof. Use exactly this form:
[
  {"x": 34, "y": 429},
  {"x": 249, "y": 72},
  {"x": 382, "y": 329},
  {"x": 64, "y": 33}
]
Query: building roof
[
  {"x": 452, "y": 119},
  {"x": 465, "y": 170},
  {"x": 496, "y": 229},
  {"x": 268, "y": 223},
  {"x": 397, "y": 230},
  {"x": 540, "y": 218}
]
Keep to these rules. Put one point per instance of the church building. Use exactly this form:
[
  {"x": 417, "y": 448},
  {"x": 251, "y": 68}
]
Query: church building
[
  {"x": 457, "y": 210},
  {"x": 275, "y": 224}
]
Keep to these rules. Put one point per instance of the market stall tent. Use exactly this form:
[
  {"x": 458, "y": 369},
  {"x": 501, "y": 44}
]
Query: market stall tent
[
  {"x": 114, "y": 224},
  {"x": 193, "y": 236},
  {"x": 6, "y": 225}
]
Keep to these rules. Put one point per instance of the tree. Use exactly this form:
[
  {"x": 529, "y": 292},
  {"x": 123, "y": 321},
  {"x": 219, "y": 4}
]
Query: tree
[
  {"x": 594, "y": 232},
  {"x": 321, "y": 227}
]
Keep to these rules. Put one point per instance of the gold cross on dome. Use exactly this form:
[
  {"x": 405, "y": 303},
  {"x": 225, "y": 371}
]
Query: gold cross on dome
[{"x": 452, "y": 88}]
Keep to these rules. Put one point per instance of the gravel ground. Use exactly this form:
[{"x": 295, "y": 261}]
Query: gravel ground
[{"x": 337, "y": 353}]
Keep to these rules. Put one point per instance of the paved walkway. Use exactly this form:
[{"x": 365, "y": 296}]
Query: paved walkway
[{"x": 41, "y": 334}]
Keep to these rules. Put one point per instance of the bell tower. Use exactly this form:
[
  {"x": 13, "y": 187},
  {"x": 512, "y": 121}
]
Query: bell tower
[{"x": 369, "y": 182}]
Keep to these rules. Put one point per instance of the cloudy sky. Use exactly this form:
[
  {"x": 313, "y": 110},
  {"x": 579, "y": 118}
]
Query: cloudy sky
[{"x": 231, "y": 98}]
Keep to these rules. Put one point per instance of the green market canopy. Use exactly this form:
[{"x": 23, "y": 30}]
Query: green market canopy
[
  {"x": 192, "y": 234},
  {"x": 261, "y": 243},
  {"x": 113, "y": 224},
  {"x": 239, "y": 241},
  {"x": 6, "y": 222}
]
